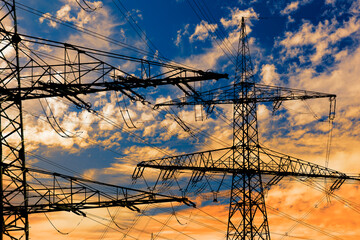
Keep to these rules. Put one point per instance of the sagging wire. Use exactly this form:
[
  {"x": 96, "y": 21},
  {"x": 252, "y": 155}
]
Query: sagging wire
[
  {"x": 58, "y": 230},
  {"x": 126, "y": 110},
  {"x": 316, "y": 117},
  {"x": 192, "y": 219},
  {"x": 328, "y": 149},
  {"x": 136, "y": 136},
  {"x": 174, "y": 213},
  {"x": 163, "y": 226},
  {"x": 330, "y": 132},
  {"x": 88, "y": 139},
  {"x": 135, "y": 222},
  {"x": 354, "y": 206},
  {"x": 328, "y": 143},
  {"x": 320, "y": 230},
  {"x": 166, "y": 225},
  {"x": 60, "y": 131},
  {"x": 88, "y": 8},
  {"x": 306, "y": 215},
  {"x": 112, "y": 220},
  {"x": 115, "y": 229}
]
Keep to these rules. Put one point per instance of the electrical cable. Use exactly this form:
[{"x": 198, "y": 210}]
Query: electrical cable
[
  {"x": 88, "y": 139},
  {"x": 205, "y": 12},
  {"x": 112, "y": 220},
  {"x": 320, "y": 230},
  {"x": 136, "y": 28},
  {"x": 229, "y": 55},
  {"x": 82, "y": 29},
  {"x": 89, "y": 9},
  {"x": 174, "y": 213},
  {"x": 165, "y": 224},
  {"x": 58, "y": 230},
  {"x": 134, "y": 222},
  {"x": 303, "y": 217},
  {"x": 96, "y": 35},
  {"x": 115, "y": 229}
]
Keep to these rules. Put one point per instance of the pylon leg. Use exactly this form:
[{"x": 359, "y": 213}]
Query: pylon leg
[{"x": 247, "y": 211}]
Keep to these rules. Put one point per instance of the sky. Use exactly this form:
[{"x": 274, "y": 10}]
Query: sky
[{"x": 309, "y": 44}]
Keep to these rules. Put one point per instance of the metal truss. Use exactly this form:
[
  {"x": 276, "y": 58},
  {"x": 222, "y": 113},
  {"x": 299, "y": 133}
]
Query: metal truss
[
  {"x": 220, "y": 160},
  {"x": 260, "y": 93},
  {"x": 50, "y": 192},
  {"x": 81, "y": 71},
  {"x": 246, "y": 160},
  {"x": 28, "y": 73}
]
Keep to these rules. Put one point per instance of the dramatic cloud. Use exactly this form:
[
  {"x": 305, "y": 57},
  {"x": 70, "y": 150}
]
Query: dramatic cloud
[
  {"x": 236, "y": 16},
  {"x": 203, "y": 31},
  {"x": 294, "y": 6},
  {"x": 269, "y": 75},
  {"x": 181, "y": 33},
  {"x": 319, "y": 54},
  {"x": 319, "y": 38}
]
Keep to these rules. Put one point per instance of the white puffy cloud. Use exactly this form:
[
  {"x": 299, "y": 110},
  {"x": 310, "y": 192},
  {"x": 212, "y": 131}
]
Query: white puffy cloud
[
  {"x": 181, "y": 33},
  {"x": 319, "y": 38},
  {"x": 202, "y": 31},
  {"x": 291, "y": 7},
  {"x": 269, "y": 75},
  {"x": 212, "y": 56},
  {"x": 236, "y": 16},
  {"x": 294, "y": 6},
  {"x": 48, "y": 16}
]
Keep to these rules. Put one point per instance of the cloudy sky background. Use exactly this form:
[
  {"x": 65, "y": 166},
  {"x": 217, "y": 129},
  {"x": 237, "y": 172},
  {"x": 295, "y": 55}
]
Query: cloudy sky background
[{"x": 312, "y": 45}]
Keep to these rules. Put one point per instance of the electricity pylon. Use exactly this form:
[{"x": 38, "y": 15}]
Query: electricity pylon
[
  {"x": 25, "y": 75},
  {"x": 246, "y": 160}
]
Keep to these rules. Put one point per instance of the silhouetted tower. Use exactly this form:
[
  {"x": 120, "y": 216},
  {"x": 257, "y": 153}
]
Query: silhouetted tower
[
  {"x": 247, "y": 210},
  {"x": 246, "y": 160},
  {"x": 25, "y": 75}
]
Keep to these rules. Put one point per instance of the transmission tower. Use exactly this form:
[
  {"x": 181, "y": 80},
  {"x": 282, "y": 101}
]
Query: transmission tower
[
  {"x": 246, "y": 160},
  {"x": 24, "y": 74}
]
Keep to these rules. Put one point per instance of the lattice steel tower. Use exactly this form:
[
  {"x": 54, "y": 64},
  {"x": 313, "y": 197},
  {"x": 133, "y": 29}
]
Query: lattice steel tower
[
  {"x": 25, "y": 75},
  {"x": 246, "y": 160}
]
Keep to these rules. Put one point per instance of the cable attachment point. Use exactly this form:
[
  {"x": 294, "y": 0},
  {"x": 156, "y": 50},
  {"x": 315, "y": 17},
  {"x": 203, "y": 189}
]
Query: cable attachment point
[{"x": 332, "y": 108}]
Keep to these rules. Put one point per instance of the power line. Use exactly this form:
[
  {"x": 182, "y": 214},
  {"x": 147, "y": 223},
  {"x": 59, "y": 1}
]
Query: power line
[
  {"x": 227, "y": 50},
  {"x": 98, "y": 35}
]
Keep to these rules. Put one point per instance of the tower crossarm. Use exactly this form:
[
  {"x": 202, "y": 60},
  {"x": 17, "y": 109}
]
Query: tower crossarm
[
  {"x": 213, "y": 160},
  {"x": 125, "y": 85},
  {"x": 275, "y": 163},
  {"x": 220, "y": 160},
  {"x": 256, "y": 93},
  {"x": 49, "y": 192},
  {"x": 76, "y": 70}
]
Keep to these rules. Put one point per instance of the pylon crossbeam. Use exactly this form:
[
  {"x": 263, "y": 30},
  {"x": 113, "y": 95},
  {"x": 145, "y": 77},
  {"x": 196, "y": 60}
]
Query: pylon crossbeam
[
  {"x": 81, "y": 71},
  {"x": 50, "y": 192},
  {"x": 261, "y": 93},
  {"x": 270, "y": 163}
]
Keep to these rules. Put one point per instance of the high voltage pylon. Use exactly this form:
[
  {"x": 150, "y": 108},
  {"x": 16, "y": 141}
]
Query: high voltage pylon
[
  {"x": 24, "y": 74},
  {"x": 246, "y": 160}
]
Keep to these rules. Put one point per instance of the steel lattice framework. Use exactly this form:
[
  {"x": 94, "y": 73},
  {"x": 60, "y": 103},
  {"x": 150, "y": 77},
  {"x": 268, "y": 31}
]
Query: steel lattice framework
[
  {"x": 246, "y": 160},
  {"x": 24, "y": 74}
]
